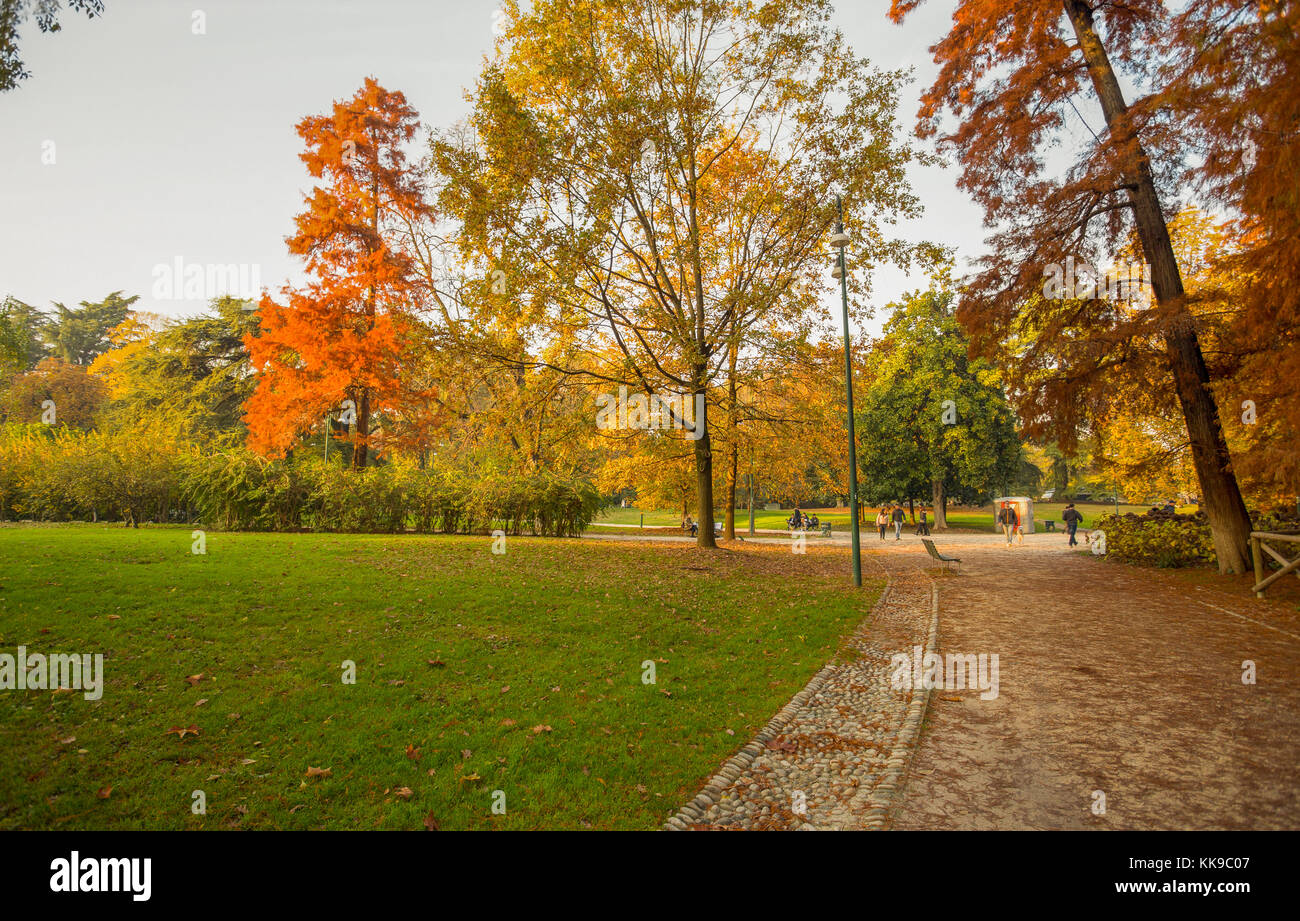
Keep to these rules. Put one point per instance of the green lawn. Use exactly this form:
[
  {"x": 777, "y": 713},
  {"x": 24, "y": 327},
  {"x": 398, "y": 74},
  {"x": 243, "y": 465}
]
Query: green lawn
[
  {"x": 963, "y": 518},
  {"x": 475, "y": 673}
]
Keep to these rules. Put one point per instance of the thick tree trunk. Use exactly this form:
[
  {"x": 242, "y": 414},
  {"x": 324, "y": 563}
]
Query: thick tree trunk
[
  {"x": 733, "y": 450},
  {"x": 732, "y": 466},
  {"x": 940, "y": 505},
  {"x": 704, "y": 480},
  {"x": 359, "y": 446},
  {"x": 1220, "y": 494}
]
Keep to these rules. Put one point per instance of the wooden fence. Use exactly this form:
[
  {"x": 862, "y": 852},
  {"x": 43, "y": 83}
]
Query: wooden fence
[{"x": 1259, "y": 547}]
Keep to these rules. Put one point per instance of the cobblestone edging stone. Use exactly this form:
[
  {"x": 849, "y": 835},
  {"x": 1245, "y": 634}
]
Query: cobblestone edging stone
[
  {"x": 885, "y": 797},
  {"x": 834, "y": 756}
]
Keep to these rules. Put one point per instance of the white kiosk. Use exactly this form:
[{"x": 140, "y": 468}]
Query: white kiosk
[{"x": 1024, "y": 507}]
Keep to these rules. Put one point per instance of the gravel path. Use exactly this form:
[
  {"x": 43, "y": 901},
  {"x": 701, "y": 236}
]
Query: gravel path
[
  {"x": 1120, "y": 704},
  {"x": 1116, "y": 682}
]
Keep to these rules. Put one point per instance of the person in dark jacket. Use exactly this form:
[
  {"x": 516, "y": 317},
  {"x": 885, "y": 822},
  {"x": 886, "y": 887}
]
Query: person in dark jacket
[
  {"x": 923, "y": 526},
  {"x": 1072, "y": 520},
  {"x": 1009, "y": 520},
  {"x": 898, "y": 516}
]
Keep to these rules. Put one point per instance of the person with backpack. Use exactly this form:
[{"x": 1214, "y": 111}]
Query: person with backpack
[{"x": 1072, "y": 520}]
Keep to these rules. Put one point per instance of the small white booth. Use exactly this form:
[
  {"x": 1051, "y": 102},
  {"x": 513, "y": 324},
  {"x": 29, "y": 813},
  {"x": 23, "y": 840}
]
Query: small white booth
[{"x": 1024, "y": 506}]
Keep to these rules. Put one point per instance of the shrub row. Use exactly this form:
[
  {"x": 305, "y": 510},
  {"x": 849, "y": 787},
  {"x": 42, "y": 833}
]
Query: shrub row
[
  {"x": 63, "y": 475},
  {"x": 1167, "y": 541},
  {"x": 1173, "y": 541}
]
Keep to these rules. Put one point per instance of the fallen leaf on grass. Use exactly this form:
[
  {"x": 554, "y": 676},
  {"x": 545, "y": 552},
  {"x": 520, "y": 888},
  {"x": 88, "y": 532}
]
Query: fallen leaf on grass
[
  {"x": 318, "y": 772},
  {"x": 194, "y": 679},
  {"x": 412, "y": 752},
  {"x": 507, "y": 722},
  {"x": 954, "y": 699},
  {"x": 200, "y": 702},
  {"x": 472, "y": 776},
  {"x": 537, "y": 729},
  {"x": 430, "y": 823},
  {"x": 404, "y": 792},
  {"x": 437, "y": 663},
  {"x": 466, "y": 753},
  {"x": 104, "y": 792},
  {"x": 183, "y": 731}
]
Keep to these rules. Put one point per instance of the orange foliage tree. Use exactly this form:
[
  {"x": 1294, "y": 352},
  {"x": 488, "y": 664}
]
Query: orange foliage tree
[{"x": 346, "y": 335}]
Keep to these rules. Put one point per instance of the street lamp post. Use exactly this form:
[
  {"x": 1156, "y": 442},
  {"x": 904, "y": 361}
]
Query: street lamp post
[{"x": 840, "y": 240}]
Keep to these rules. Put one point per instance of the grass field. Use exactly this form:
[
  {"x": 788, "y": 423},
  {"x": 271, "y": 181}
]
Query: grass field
[
  {"x": 962, "y": 518},
  {"x": 474, "y": 673}
]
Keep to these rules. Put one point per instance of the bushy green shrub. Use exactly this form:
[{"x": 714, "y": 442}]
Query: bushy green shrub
[
  {"x": 1166, "y": 541},
  {"x": 61, "y": 475}
]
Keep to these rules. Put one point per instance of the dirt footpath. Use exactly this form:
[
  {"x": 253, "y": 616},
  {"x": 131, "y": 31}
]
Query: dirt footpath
[{"x": 1113, "y": 680}]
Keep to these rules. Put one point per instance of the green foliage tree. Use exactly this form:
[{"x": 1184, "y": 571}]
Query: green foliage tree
[
  {"x": 196, "y": 371},
  {"x": 21, "y": 347},
  {"x": 934, "y": 423},
  {"x": 79, "y": 336}
]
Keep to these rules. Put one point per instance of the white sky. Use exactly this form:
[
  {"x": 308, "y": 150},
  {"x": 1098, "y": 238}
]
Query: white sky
[{"x": 170, "y": 144}]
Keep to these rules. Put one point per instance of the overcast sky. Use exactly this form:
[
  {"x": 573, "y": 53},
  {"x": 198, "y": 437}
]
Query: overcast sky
[{"x": 169, "y": 144}]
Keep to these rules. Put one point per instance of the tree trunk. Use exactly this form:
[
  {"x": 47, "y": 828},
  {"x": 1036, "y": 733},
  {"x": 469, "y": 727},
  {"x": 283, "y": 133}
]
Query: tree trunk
[
  {"x": 704, "y": 480},
  {"x": 733, "y": 450},
  {"x": 940, "y": 505},
  {"x": 751, "y": 499},
  {"x": 1220, "y": 494},
  {"x": 359, "y": 445}
]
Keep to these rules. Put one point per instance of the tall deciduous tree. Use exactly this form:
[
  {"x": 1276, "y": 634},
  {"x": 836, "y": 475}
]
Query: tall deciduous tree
[
  {"x": 344, "y": 336},
  {"x": 933, "y": 423},
  {"x": 1017, "y": 76},
  {"x": 656, "y": 178}
]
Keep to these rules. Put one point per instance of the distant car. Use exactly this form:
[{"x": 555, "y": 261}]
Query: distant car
[
  {"x": 1047, "y": 496},
  {"x": 1082, "y": 497}
]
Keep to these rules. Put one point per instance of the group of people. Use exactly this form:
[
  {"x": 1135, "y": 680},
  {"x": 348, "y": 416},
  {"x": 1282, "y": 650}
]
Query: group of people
[
  {"x": 895, "y": 517},
  {"x": 801, "y": 522}
]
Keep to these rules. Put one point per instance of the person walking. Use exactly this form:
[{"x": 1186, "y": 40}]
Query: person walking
[
  {"x": 898, "y": 516},
  {"x": 1072, "y": 520},
  {"x": 923, "y": 526},
  {"x": 882, "y": 522},
  {"x": 1007, "y": 518}
]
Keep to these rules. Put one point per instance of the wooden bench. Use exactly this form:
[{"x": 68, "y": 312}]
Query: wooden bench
[{"x": 933, "y": 551}]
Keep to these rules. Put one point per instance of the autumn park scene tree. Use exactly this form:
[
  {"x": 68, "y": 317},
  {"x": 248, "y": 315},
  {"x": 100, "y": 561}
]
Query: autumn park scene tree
[{"x": 655, "y": 414}]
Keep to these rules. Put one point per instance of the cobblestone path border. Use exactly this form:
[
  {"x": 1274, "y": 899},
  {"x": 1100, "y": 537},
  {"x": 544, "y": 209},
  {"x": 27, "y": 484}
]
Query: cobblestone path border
[{"x": 835, "y": 756}]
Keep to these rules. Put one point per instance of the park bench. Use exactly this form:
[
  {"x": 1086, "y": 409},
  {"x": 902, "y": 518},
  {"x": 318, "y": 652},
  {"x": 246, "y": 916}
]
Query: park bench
[{"x": 933, "y": 551}]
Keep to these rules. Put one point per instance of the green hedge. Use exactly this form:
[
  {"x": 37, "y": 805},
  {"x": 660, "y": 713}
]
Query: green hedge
[
  {"x": 1174, "y": 541},
  {"x": 1166, "y": 541},
  {"x": 61, "y": 475}
]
